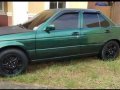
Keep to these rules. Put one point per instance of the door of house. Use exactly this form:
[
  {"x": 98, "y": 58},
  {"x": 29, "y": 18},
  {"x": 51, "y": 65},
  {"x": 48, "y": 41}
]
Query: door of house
[{"x": 20, "y": 14}]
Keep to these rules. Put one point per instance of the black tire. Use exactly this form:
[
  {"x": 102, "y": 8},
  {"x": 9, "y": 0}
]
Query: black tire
[
  {"x": 110, "y": 51},
  {"x": 12, "y": 62}
]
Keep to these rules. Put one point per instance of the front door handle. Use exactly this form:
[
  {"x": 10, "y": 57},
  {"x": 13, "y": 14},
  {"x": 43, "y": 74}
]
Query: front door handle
[
  {"x": 107, "y": 31},
  {"x": 75, "y": 34}
]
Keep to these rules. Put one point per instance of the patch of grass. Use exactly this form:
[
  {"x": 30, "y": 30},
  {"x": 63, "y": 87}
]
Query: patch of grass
[{"x": 82, "y": 73}]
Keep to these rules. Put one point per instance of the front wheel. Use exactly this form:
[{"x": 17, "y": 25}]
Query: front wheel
[
  {"x": 12, "y": 62},
  {"x": 110, "y": 51}
]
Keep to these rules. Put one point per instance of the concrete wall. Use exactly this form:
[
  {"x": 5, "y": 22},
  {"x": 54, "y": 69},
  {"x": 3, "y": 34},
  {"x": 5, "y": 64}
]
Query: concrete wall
[
  {"x": 105, "y": 10},
  {"x": 115, "y": 16},
  {"x": 9, "y": 7},
  {"x": 36, "y": 7},
  {"x": 80, "y": 4}
]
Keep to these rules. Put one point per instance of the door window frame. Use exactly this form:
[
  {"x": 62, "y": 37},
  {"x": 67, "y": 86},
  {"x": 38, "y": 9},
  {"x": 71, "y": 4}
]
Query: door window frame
[
  {"x": 106, "y": 18},
  {"x": 55, "y": 17},
  {"x": 82, "y": 21}
]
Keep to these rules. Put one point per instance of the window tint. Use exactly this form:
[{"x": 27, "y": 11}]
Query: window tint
[
  {"x": 90, "y": 20},
  {"x": 103, "y": 22},
  {"x": 66, "y": 21}
]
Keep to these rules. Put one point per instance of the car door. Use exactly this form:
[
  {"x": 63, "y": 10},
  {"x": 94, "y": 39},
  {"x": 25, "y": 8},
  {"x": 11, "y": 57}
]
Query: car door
[
  {"x": 62, "y": 41},
  {"x": 94, "y": 32}
]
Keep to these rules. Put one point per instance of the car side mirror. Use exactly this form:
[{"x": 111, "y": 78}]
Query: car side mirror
[
  {"x": 35, "y": 28},
  {"x": 50, "y": 28}
]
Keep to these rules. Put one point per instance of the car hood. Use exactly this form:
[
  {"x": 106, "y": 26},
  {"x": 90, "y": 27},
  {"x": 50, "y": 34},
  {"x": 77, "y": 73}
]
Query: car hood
[{"x": 13, "y": 30}]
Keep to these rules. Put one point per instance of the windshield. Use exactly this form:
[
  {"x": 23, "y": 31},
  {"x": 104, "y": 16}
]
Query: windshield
[{"x": 38, "y": 19}]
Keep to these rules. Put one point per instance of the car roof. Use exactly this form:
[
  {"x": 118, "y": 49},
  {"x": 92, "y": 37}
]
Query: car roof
[{"x": 75, "y": 9}]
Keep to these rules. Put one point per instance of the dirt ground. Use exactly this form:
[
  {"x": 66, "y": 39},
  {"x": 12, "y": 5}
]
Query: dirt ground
[{"x": 13, "y": 85}]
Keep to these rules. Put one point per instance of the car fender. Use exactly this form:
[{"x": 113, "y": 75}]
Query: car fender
[{"x": 11, "y": 43}]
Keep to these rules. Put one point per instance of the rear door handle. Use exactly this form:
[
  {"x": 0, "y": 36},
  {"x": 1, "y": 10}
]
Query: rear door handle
[{"x": 107, "y": 31}]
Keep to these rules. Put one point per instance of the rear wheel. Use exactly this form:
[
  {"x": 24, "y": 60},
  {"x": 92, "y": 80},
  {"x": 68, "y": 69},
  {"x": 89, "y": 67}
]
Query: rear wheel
[
  {"x": 12, "y": 62},
  {"x": 110, "y": 51}
]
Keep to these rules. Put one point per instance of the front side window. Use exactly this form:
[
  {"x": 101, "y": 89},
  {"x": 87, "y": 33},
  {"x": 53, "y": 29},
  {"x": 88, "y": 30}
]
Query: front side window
[
  {"x": 103, "y": 21},
  {"x": 90, "y": 20},
  {"x": 66, "y": 21}
]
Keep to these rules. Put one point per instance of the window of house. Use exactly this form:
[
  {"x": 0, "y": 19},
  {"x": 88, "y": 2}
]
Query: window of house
[
  {"x": 103, "y": 21},
  {"x": 66, "y": 21},
  {"x": 1, "y": 6},
  {"x": 54, "y": 5},
  {"x": 90, "y": 20},
  {"x": 110, "y": 3}
]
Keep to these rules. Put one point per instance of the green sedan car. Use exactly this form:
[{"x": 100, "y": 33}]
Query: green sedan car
[{"x": 57, "y": 33}]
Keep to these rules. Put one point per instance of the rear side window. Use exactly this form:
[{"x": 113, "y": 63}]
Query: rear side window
[
  {"x": 90, "y": 20},
  {"x": 66, "y": 21},
  {"x": 103, "y": 21}
]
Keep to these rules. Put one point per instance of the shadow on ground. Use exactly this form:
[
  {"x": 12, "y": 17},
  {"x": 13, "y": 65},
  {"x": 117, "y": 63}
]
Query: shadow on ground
[{"x": 40, "y": 65}]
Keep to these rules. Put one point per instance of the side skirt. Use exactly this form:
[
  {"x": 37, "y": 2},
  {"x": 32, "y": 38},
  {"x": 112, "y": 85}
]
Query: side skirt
[{"x": 87, "y": 54}]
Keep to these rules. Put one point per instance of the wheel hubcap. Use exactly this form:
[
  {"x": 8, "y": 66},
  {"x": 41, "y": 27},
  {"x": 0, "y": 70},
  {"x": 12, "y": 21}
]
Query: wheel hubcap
[
  {"x": 111, "y": 51},
  {"x": 11, "y": 64}
]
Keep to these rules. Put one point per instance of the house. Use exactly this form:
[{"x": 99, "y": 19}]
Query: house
[
  {"x": 5, "y": 15},
  {"x": 12, "y": 13}
]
